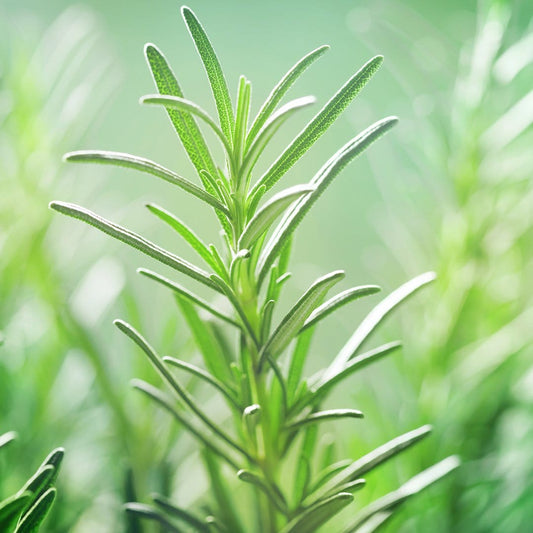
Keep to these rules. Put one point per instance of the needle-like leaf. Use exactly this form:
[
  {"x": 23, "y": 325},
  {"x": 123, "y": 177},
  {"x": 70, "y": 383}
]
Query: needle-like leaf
[
  {"x": 37, "y": 513},
  {"x": 325, "y": 384},
  {"x": 6, "y": 438},
  {"x": 134, "y": 240},
  {"x": 269, "y": 129},
  {"x": 190, "y": 107},
  {"x": 183, "y": 122},
  {"x": 181, "y": 514},
  {"x": 370, "y": 461},
  {"x": 144, "y": 165},
  {"x": 320, "y": 416},
  {"x": 273, "y": 493},
  {"x": 134, "y": 335},
  {"x": 188, "y": 234},
  {"x": 150, "y": 513},
  {"x": 338, "y": 301},
  {"x": 166, "y": 402},
  {"x": 265, "y": 217},
  {"x": 214, "y": 72},
  {"x": 373, "y": 319},
  {"x": 320, "y": 513},
  {"x": 11, "y": 509},
  {"x": 321, "y": 180},
  {"x": 292, "y": 322},
  {"x": 416, "y": 484},
  {"x": 320, "y": 123},
  {"x": 279, "y": 91},
  {"x": 205, "y": 376},
  {"x": 182, "y": 291}
]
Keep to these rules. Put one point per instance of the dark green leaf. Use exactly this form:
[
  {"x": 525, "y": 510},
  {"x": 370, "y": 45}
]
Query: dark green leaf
[
  {"x": 11, "y": 509},
  {"x": 35, "y": 516},
  {"x": 272, "y": 492}
]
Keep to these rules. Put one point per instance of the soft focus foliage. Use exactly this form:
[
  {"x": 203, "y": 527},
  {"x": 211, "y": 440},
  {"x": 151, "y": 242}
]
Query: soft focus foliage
[{"x": 449, "y": 191}]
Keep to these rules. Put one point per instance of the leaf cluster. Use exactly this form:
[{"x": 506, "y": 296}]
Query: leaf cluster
[
  {"x": 25, "y": 511},
  {"x": 274, "y": 408}
]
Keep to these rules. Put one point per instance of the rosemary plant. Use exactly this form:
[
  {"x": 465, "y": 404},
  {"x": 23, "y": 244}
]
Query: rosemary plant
[
  {"x": 276, "y": 411},
  {"x": 25, "y": 511}
]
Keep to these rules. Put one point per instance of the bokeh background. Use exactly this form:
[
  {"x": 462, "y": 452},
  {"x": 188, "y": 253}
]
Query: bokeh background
[{"x": 448, "y": 190}]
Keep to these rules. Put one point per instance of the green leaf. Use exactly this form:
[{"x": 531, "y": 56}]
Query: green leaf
[
  {"x": 11, "y": 508},
  {"x": 134, "y": 240},
  {"x": 150, "y": 513},
  {"x": 279, "y": 91},
  {"x": 134, "y": 335},
  {"x": 6, "y": 438},
  {"x": 195, "y": 242},
  {"x": 317, "y": 515},
  {"x": 265, "y": 217},
  {"x": 179, "y": 513},
  {"x": 320, "y": 416},
  {"x": 292, "y": 322},
  {"x": 241, "y": 118},
  {"x": 205, "y": 376},
  {"x": 144, "y": 165},
  {"x": 370, "y": 461},
  {"x": 183, "y": 122},
  {"x": 215, "y": 360},
  {"x": 325, "y": 384},
  {"x": 269, "y": 129},
  {"x": 373, "y": 319},
  {"x": 166, "y": 403},
  {"x": 214, "y": 72},
  {"x": 186, "y": 105},
  {"x": 416, "y": 484},
  {"x": 35, "y": 516},
  {"x": 298, "y": 358},
  {"x": 272, "y": 492},
  {"x": 222, "y": 493},
  {"x": 182, "y": 291},
  {"x": 373, "y": 523},
  {"x": 320, "y": 123},
  {"x": 321, "y": 180},
  {"x": 338, "y": 301}
]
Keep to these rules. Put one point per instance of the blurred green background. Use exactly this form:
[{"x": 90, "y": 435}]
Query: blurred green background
[{"x": 448, "y": 190}]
